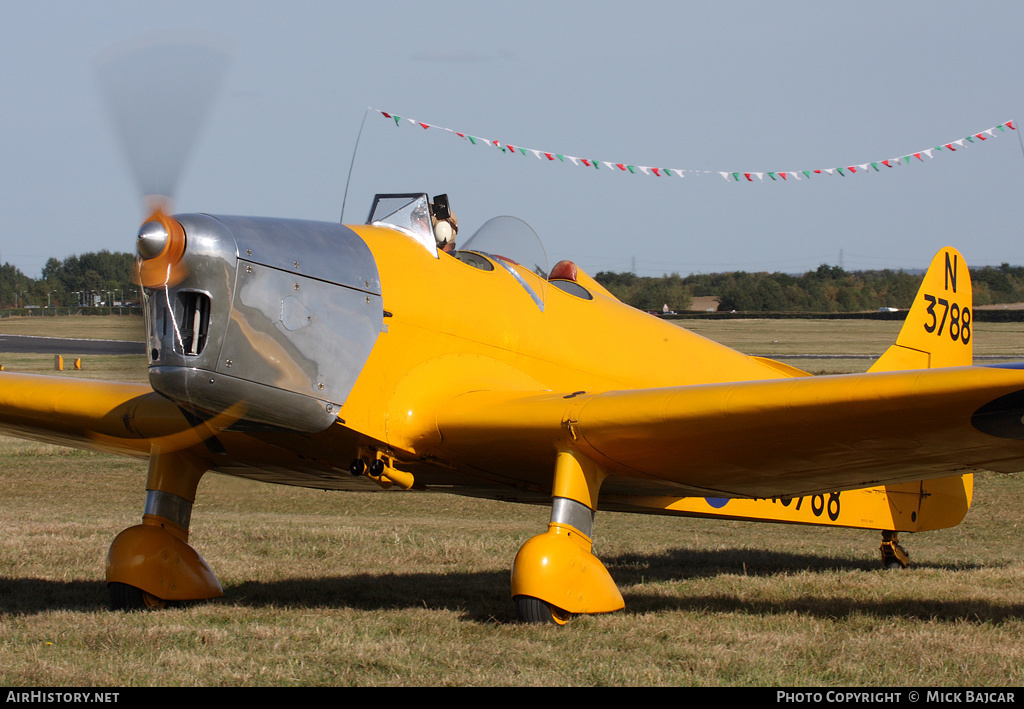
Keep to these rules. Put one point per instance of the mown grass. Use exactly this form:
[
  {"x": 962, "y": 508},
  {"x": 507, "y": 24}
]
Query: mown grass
[
  {"x": 867, "y": 339},
  {"x": 92, "y": 327},
  {"x": 412, "y": 589},
  {"x": 125, "y": 368}
]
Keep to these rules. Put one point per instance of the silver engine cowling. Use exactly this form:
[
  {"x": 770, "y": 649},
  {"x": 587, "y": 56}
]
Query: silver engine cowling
[{"x": 276, "y": 315}]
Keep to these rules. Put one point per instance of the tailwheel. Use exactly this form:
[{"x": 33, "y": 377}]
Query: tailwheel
[
  {"x": 535, "y": 611},
  {"x": 894, "y": 556},
  {"x": 128, "y": 598}
]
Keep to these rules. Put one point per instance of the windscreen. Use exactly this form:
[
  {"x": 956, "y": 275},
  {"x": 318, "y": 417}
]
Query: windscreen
[
  {"x": 409, "y": 213},
  {"x": 512, "y": 238},
  {"x": 508, "y": 239}
]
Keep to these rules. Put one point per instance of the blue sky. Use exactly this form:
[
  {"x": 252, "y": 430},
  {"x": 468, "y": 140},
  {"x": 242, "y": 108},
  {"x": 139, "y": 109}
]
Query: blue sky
[{"x": 715, "y": 86}]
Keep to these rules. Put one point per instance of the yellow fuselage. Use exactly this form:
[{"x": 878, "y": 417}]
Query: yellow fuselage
[{"x": 455, "y": 328}]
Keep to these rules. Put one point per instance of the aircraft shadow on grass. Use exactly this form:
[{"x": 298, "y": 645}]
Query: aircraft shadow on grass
[{"x": 482, "y": 596}]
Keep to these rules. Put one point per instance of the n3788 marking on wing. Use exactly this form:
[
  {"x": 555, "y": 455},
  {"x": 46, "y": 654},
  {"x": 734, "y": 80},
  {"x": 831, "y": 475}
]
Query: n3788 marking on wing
[{"x": 959, "y": 319}]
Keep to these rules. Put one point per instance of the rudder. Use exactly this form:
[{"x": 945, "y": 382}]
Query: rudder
[{"x": 938, "y": 328}]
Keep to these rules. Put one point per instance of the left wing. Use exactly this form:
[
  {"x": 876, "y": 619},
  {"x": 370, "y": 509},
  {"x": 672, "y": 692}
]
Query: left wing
[
  {"x": 763, "y": 439},
  {"x": 116, "y": 417}
]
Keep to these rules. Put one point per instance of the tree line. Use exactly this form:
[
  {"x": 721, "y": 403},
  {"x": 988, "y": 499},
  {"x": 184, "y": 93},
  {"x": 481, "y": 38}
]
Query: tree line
[
  {"x": 106, "y": 277},
  {"x": 828, "y": 289},
  {"x": 88, "y": 279}
]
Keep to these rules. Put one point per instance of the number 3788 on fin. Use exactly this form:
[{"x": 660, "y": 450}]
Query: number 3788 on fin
[{"x": 959, "y": 319}]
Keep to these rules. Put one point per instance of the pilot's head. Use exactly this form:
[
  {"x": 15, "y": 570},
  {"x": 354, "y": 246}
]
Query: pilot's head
[
  {"x": 446, "y": 226},
  {"x": 445, "y": 231}
]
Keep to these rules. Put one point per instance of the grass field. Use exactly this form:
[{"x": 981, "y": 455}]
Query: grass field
[
  {"x": 93, "y": 327},
  {"x": 412, "y": 589},
  {"x": 772, "y": 338}
]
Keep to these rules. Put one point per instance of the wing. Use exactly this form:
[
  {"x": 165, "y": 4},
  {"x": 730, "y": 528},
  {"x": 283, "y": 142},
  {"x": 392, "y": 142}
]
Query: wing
[
  {"x": 116, "y": 417},
  {"x": 765, "y": 439}
]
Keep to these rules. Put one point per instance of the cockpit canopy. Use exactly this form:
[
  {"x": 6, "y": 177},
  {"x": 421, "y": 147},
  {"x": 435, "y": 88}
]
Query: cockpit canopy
[
  {"x": 506, "y": 241},
  {"x": 501, "y": 237}
]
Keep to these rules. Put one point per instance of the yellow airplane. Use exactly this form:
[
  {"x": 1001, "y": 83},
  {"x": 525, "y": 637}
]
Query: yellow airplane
[
  {"x": 366, "y": 357},
  {"x": 379, "y": 355}
]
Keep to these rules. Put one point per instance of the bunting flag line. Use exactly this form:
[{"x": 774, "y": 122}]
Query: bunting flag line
[{"x": 729, "y": 176}]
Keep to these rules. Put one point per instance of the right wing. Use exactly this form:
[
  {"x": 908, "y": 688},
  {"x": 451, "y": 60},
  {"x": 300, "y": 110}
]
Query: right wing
[{"x": 778, "y": 438}]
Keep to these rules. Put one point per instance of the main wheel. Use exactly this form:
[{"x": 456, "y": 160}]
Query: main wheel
[
  {"x": 128, "y": 598},
  {"x": 895, "y": 557},
  {"x": 533, "y": 610}
]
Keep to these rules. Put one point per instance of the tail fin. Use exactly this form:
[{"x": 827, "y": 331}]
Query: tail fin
[
  {"x": 936, "y": 333},
  {"x": 938, "y": 329}
]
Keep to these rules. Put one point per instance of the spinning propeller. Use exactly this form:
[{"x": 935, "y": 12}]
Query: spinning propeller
[{"x": 159, "y": 93}]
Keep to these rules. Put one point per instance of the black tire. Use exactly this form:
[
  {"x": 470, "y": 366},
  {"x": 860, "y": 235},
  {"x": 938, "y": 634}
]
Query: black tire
[
  {"x": 128, "y": 598},
  {"x": 537, "y": 612}
]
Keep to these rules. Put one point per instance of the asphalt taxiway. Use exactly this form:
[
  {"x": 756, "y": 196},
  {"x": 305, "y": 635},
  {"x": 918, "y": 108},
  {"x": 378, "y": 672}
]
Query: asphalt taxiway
[{"x": 29, "y": 344}]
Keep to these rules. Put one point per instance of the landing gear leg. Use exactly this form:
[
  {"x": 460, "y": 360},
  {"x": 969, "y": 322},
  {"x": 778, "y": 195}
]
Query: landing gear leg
[
  {"x": 894, "y": 556},
  {"x": 555, "y": 575},
  {"x": 151, "y": 563}
]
